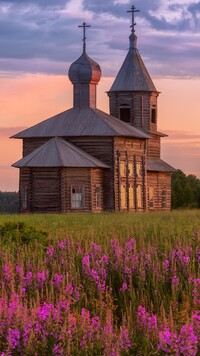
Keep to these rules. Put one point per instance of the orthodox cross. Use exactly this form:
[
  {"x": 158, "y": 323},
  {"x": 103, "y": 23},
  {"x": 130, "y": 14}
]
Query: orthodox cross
[
  {"x": 83, "y": 26},
  {"x": 133, "y": 11}
]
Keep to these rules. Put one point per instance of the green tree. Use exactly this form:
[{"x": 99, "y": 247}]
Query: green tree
[
  {"x": 185, "y": 190},
  {"x": 9, "y": 202}
]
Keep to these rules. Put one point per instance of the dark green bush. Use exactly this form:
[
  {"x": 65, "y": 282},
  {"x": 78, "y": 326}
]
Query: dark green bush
[{"x": 21, "y": 233}]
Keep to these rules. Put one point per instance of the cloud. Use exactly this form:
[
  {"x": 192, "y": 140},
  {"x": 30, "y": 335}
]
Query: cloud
[
  {"x": 40, "y": 3},
  {"x": 182, "y": 150},
  {"x": 9, "y": 131},
  {"x": 182, "y": 135},
  {"x": 41, "y": 36}
]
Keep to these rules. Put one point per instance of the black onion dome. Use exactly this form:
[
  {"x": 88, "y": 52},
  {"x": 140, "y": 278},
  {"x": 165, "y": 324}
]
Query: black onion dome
[{"x": 84, "y": 70}]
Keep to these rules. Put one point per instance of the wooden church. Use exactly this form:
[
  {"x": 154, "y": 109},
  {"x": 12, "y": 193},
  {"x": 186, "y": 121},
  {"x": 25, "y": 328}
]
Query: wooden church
[{"x": 84, "y": 160}]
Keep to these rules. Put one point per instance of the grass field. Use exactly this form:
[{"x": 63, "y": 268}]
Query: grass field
[{"x": 104, "y": 284}]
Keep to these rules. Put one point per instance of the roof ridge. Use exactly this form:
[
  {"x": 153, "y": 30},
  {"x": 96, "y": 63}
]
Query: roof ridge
[
  {"x": 77, "y": 149},
  {"x": 102, "y": 118},
  {"x": 57, "y": 148}
]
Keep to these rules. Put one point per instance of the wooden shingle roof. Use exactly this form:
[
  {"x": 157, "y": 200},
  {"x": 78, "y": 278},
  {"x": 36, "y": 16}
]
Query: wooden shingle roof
[
  {"x": 82, "y": 122},
  {"x": 158, "y": 165},
  {"x": 59, "y": 153},
  {"x": 133, "y": 75}
]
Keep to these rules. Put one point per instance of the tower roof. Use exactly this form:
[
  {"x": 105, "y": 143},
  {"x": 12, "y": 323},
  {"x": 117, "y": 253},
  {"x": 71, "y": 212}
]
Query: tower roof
[{"x": 133, "y": 75}]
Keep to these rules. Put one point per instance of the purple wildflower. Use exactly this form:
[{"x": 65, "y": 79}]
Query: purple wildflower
[
  {"x": 41, "y": 278},
  {"x": 13, "y": 338},
  {"x": 124, "y": 339},
  {"x": 44, "y": 311},
  {"x": 188, "y": 341},
  {"x": 57, "y": 280},
  {"x": 175, "y": 282},
  {"x": 168, "y": 342}
]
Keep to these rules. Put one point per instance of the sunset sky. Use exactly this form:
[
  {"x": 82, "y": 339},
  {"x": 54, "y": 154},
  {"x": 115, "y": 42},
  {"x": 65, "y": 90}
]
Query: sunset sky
[{"x": 39, "y": 39}]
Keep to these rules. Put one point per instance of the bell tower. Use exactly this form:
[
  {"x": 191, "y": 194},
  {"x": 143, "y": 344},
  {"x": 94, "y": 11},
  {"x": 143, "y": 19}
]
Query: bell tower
[{"x": 133, "y": 96}]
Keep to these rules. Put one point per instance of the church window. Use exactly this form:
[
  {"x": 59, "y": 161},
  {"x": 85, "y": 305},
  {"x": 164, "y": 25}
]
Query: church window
[
  {"x": 125, "y": 114},
  {"x": 122, "y": 169},
  {"x": 151, "y": 197},
  {"x": 130, "y": 168},
  {"x": 123, "y": 196},
  {"x": 98, "y": 196},
  {"x": 153, "y": 115},
  {"x": 139, "y": 197},
  {"x": 139, "y": 169},
  {"x": 164, "y": 198},
  {"x": 77, "y": 197},
  {"x": 131, "y": 195}
]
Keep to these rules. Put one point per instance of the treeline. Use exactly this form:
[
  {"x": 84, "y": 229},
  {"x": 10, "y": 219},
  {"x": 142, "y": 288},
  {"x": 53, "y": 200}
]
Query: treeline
[
  {"x": 185, "y": 194},
  {"x": 9, "y": 202},
  {"x": 185, "y": 190}
]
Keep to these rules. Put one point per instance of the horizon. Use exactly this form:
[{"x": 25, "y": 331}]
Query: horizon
[{"x": 34, "y": 77}]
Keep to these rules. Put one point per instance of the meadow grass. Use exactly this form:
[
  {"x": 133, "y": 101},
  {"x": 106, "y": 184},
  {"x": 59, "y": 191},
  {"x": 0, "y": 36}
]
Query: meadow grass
[
  {"x": 103, "y": 284},
  {"x": 163, "y": 228}
]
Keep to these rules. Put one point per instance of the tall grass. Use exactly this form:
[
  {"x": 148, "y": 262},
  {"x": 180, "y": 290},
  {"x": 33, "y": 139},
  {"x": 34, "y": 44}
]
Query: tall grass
[{"x": 106, "y": 284}]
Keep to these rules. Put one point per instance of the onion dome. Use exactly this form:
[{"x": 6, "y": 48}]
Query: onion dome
[
  {"x": 84, "y": 70},
  {"x": 84, "y": 74}
]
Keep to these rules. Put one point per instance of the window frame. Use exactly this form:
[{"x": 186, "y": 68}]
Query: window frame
[
  {"x": 139, "y": 196},
  {"x": 127, "y": 109},
  {"x": 131, "y": 193},
  {"x": 153, "y": 115},
  {"x": 98, "y": 197},
  {"x": 80, "y": 192},
  {"x": 122, "y": 168},
  {"x": 151, "y": 197}
]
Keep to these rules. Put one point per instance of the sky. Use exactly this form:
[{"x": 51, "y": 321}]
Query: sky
[{"x": 39, "y": 39}]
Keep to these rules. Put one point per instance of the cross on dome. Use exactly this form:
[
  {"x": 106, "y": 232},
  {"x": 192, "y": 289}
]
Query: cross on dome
[
  {"x": 84, "y": 26},
  {"x": 133, "y": 11}
]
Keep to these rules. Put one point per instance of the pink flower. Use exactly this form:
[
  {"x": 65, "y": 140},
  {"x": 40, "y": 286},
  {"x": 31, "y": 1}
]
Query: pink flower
[
  {"x": 124, "y": 339},
  {"x": 188, "y": 341},
  {"x": 41, "y": 278},
  {"x": 145, "y": 320},
  {"x": 13, "y": 338},
  {"x": 86, "y": 262},
  {"x": 57, "y": 280},
  {"x": 168, "y": 342},
  {"x": 175, "y": 282},
  {"x": 44, "y": 311},
  {"x": 50, "y": 251},
  {"x": 124, "y": 287}
]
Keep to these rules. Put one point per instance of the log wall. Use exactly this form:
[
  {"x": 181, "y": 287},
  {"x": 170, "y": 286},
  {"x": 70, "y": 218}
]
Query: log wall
[
  {"x": 76, "y": 177},
  {"x": 43, "y": 189},
  {"x": 130, "y": 174},
  {"x": 159, "y": 182},
  {"x": 153, "y": 147},
  {"x": 140, "y": 104},
  {"x": 30, "y": 144},
  {"x": 101, "y": 148}
]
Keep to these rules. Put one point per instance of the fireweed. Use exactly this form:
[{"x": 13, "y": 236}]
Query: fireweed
[{"x": 76, "y": 298}]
